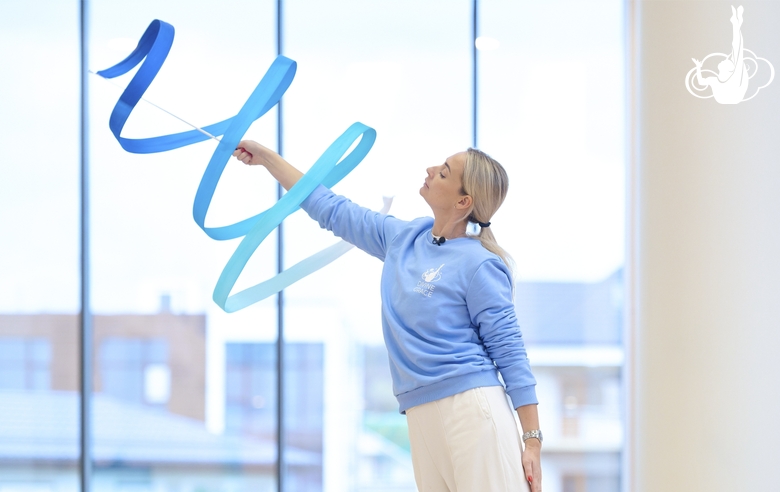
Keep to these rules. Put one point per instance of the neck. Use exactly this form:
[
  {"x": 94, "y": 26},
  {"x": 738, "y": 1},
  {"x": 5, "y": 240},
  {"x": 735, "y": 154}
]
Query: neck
[{"x": 448, "y": 229}]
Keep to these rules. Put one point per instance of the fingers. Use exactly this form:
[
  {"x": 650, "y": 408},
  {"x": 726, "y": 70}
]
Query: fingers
[
  {"x": 533, "y": 474},
  {"x": 537, "y": 477},
  {"x": 242, "y": 155},
  {"x": 528, "y": 468}
]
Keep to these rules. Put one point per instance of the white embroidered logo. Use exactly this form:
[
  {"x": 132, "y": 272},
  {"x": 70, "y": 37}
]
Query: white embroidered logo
[
  {"x": 432, "y": 275},
  {"x": 735, "y": 70},
  {"x": 425, "y": 286}
]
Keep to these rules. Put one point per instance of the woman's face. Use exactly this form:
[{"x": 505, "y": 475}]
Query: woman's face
[{"x": 444, "y": 182}]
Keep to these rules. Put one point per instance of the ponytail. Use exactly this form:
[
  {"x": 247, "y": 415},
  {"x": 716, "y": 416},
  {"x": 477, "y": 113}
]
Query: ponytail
[{"x": 487, "y": 183}]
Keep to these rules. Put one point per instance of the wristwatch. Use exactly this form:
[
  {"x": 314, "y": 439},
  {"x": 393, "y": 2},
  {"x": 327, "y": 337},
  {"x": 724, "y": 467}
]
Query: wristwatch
[{"x": 533, "y": 433}]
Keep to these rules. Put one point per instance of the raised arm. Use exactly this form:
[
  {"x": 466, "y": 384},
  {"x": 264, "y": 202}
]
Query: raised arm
[
  {"x": 252, "y": 153},
  {"x": 368, "y": 230}
]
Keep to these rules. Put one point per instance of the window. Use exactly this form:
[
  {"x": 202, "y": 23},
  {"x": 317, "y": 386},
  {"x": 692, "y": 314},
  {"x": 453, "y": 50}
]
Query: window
[
  {"x": 39, "y": 249},
  {"x": 403, "y": 68},
  {"x": 251, "y": 401},
  {"x": 160, "y": 414},
  {"x": 551, "y": 105},
  {"x": 250, "y": 389},
  {"x": 184, "y": 394},
  {"x": 25, "y": 363},
  {"x": 135, "y": 370}
]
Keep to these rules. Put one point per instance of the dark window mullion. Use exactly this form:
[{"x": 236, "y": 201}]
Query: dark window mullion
[
  {"x": 280, "y": 444},
  {"x": 85, "y": 318}
]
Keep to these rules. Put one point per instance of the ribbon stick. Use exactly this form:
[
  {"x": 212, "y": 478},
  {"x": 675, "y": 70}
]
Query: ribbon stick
[
  {"x": 161, "y": 109},
  {"x": 332, "y": 166}
]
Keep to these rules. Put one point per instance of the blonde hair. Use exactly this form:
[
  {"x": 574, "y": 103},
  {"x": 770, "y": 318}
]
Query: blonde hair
[{"x": 487, "y": 183}]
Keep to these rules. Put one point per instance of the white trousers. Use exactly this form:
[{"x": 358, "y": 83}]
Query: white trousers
[{"x": 467, "y": 442}]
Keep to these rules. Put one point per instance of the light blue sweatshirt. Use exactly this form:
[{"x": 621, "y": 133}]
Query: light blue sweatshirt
[{"x": 447, "y": 310}]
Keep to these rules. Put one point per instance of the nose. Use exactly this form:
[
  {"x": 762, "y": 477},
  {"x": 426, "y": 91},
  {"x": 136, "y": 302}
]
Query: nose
[{"x": 429, "y": 172}]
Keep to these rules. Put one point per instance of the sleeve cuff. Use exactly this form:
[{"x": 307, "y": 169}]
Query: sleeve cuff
[{"x": 523, "y": 396}]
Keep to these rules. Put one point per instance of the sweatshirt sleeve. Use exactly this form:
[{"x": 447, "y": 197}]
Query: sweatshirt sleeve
[
  {"x": 368, "y": 230},
  {"x": 492, "y": 310}
]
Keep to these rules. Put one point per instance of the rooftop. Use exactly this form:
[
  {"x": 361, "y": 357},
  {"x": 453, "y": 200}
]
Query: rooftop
[{"x": 44, "y": 426}]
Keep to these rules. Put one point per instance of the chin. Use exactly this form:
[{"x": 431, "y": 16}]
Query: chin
[{"x": 425, "y": 198}]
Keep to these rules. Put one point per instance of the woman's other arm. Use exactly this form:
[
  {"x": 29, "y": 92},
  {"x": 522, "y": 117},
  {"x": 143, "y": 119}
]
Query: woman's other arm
[
  {"x": 529, "y": 420},
  {"x": 491, "y": 307}
]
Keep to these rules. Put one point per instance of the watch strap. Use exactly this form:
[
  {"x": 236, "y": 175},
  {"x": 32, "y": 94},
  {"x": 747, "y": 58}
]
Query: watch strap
[{"x": 533, "y": 433}]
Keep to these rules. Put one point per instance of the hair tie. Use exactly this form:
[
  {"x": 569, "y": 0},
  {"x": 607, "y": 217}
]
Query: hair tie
[{"x": 484, "y": 224}]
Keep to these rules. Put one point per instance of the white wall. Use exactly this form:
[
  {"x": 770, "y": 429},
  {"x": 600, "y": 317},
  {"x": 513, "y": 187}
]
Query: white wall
[{"x": 703, "y": 259}]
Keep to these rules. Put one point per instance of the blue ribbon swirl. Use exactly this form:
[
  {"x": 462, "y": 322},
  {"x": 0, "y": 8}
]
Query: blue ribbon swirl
[{"x": 332, "y": 166}]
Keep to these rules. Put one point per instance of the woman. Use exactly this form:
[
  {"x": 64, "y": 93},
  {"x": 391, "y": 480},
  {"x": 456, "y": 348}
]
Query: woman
[{"x": 449, "y": 323}]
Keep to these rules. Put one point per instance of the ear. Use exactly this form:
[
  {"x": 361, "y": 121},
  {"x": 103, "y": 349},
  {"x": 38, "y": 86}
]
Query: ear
[{"x": 465, "y": 202}]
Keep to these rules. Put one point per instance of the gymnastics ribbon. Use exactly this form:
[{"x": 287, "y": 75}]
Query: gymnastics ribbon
[{"x": 332, "y": 166}]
